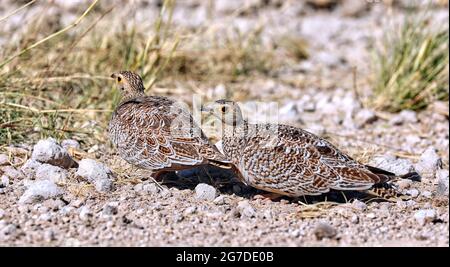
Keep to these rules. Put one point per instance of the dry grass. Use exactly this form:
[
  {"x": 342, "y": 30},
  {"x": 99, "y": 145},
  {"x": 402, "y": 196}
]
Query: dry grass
[
  {"x": 412, "y": 65},
  {"x": 54, "y": 79}
]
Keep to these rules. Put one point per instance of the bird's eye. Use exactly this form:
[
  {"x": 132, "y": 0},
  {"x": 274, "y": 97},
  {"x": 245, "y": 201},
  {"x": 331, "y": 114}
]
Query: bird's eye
[
  {"x": 119, "y": 79},
  {"x": 224, "y": 109}
]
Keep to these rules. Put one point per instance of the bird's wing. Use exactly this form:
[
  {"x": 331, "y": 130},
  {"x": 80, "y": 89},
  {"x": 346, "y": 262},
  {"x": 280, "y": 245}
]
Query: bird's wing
[
  {"x": 296, "y": 162},
  {"x": 157, "y": 133},
  {"x": 351, "y": 175}
]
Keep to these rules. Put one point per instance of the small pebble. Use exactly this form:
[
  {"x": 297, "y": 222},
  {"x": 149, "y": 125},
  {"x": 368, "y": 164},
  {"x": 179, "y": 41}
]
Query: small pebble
[
  {"x": 205, "y": 191},
  {"x": 111, "y": 208},
  {"x": 52, "y": 173},
  {"x": 365, "y": 116},
  {"x": 429, "y": 163},
  {"x": 245, "y": 209},
  {"x": 4, "y": 159},
  {"x": 104, "y": 185},
  {"x": 359, "y": 205},
  {"x": 49, "y": 236},
  {"x": 49, "y": 151},
  {"x": 70, "y": 143},
  {"x": 354, "y": 219},
  {"x": 425, "y": 216},
  {"x": 93, "y": 149},
  {"x": 442, "y": 182},
  {"x": 190, "y": 210},
  {"x": 324, "y": 230},
  {"x": 404, "y": 184},
  {"x": 97, "y": 173},
  {"x": 39, "y": 191},
  {"x": 11, "y": 172},
  {"x": 220, "y": 200},
  {"x": 85, "y": 213},
  {"x": 151, "y": 188},
  {"x": 30, "y": 167},
  {"x": 405, "y": 116},
  {"x": 411, "y": 203},
  {"x": 413, "y": 193},
  {"x": 4, "y": 181},
  {"x": 427, "y": 194}
]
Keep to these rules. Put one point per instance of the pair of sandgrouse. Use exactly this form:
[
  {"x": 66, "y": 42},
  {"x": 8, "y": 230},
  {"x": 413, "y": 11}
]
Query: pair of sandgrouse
[{"x": 157, "y": 134}]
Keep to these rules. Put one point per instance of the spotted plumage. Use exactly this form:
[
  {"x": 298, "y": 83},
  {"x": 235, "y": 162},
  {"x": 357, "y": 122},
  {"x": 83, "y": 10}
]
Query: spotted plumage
[
  {"x": 287, "y": 160},
  {"x": 157, "y": 133}
]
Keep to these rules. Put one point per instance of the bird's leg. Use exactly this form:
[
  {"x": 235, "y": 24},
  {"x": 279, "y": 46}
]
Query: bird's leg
[
  {"x": 157, "y": 176},
  {"x": 270, "y": 195}
]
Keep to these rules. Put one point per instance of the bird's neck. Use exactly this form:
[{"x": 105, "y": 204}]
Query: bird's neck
[
  {"x": 128, "y": 97},
  {"x": 236, "y": 130}
]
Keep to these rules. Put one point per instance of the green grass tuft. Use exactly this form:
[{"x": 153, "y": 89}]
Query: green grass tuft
[{"x": 412, "y": 65}]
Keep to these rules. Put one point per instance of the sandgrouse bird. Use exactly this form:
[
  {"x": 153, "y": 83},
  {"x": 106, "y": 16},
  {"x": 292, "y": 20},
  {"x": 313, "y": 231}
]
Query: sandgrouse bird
[
  {"x": 156, "y": 133},
  {"x": 290, "y": 161}
]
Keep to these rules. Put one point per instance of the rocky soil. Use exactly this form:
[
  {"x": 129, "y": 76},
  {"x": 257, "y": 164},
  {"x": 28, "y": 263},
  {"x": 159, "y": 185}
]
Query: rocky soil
[{"x": 73, "y": 193}]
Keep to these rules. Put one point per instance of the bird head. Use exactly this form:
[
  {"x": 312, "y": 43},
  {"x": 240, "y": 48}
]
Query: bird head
[
  {"x": 227, "y": 111},
  {"x": 129, "y": 83}
]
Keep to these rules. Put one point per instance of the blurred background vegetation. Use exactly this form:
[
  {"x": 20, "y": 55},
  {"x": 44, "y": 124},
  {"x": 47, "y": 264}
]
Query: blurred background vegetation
[{"x": 55, "y": 66}]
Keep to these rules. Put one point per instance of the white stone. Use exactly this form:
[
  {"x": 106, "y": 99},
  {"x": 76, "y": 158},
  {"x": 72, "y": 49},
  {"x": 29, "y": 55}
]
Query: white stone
[
  {"x": 48, "y": 151},
  {"x": 404, "y": 184},
  {"x": 359, "y": 205},
  {"x": 220, "y": 200},
  {"x": 30, "y": 167},
  {"x": 4, "y": 181},
  {"x": 425, "y": 216},
  {"x": 205, "y": 191},
  {"x": 405, "y": 116},
  {"x": 70, "y": 143},
  {"x": 40, "y": 190},
  {"x": 93, "y": 149},
  {"x": 85, "y": 213},
  {"x": 11, "y": 172},
  {"x": 97, "y": 173},
  {"x": 151, "y": 188},
  {"x": 111, "y": 208},
  {"x": 245, "y": 209},
  {"x": 52, "y": 173},
  {"x": 104, "y": 185},
  {"x": 4, "y": 159},
  {"x": 190, "y": 210},
  {"x": 429, "y": 163},
  {"x": 365, "y": 116},
  {"x": 442, "y": 182},
  {"x": 413, "y": 193}
]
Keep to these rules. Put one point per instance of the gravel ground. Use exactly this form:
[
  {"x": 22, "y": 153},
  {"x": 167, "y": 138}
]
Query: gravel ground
[{"x": 47, "y": 199}]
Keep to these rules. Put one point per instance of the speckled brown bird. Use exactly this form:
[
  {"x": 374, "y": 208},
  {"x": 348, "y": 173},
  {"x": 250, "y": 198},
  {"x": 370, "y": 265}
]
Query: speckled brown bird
[
  {"x": 290, "y": 161},
  {"x": 157, "y": 133}
]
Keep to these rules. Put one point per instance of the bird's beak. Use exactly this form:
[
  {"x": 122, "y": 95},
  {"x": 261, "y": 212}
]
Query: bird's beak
[
  {"x": 113, "y": 75},
  {"x": 205, "y": 109}
]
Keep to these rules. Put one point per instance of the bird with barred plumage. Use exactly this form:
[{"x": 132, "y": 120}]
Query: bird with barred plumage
[
  {"x": 289, "y": 161},
  {"x": 156, "y": 133}
]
